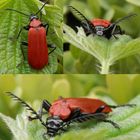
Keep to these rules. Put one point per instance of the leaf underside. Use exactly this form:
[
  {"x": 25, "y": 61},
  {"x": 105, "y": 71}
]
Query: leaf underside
[{"x": 107, "y": 52}]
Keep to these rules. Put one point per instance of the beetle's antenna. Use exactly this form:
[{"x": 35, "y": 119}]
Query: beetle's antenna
[
  {"x": 124, "y": 18},
  {"x": 18, "y": 12},
  {"x": 83, "y": 17},
  {"x": 120, "y": 20},
  {"x": 79, "y": 13},
  {"x": 27, "y": 106},
  {"x": 41, "y": 8}
]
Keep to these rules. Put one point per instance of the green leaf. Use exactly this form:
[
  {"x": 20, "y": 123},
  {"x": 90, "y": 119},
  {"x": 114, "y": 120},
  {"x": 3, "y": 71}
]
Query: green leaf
[
  {"x": 127, "y": 118},
  {"x": 135, "y": 2},
  {"x": 59, "y": 3},
  {"x": 11, "y": 55},
  {"x": 107, "y": 52},
  {"x": 16, "y": 127}
]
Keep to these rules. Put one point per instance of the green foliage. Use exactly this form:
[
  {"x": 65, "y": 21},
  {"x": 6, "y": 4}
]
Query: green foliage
[
  {"x": 110, "y": 10},
  {"x": 107, "y": 52},
  {"x": 10, "y": 49},
  {"x": 136, "y": 2}
]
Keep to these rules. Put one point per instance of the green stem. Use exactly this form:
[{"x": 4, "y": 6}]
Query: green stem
[{"x": 105, "y": 66}]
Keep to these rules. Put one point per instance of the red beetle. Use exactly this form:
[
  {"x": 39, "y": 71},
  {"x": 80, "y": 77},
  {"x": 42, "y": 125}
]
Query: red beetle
[
  {"x": 65, "y": 111},
  {"x": 64, "y": 107},
  {"x": 101, "y": 27},
  {"x": 37, "y": 44}
]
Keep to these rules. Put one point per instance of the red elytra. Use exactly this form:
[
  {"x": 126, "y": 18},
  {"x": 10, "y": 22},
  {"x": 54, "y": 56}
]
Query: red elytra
[
  {"x": 37, "y": 45},
  {"x": 101, "y": 22},
  {"x": 64, "y": 107}
]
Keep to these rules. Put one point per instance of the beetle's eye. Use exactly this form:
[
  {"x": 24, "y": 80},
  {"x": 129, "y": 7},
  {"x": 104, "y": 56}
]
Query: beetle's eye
[
  {"x": 58, "y": 125},
  {"x": 51, "y": 123}
]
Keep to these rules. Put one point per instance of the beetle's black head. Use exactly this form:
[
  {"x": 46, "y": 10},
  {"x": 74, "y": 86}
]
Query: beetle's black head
[
  {"x": 99, "y": 30},
  {"x": 89, "y": 29},
  {"x": 54, "y": 124},
  {"x": 32, "y": 16}
]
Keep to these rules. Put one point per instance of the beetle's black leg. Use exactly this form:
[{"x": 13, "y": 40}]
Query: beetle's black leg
[
  {"x": 24, "y": 43},
  {"x": 84, "y": 117},
  {"x": 97, "y": 116},
  {"x": 46, "y": 25},
  {"x": 32, "y": 118},
  {"x": 51, "y": 46},
  {"x": 125, "y": 105},
  {"x": 116, "y": 31},
  {"x": 25, "y": 27},
  {"x": 75, "y": 113},
  {"x": 81, "y": 117},
  {"x": 19, "y": 33},
  {"x": 87, "y": 28},
  {"x": 64, "y": 127},
  {"x": 111, "y": 122},
  {"x": 115, "y": 36},
  {"x": 113, "y": 30},
  {"x": 45, "y": 105}
]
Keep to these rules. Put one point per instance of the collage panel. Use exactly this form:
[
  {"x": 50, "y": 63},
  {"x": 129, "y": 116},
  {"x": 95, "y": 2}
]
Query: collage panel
[
  {"x": 61, "y": 107},
  {"x": 101, "y": 36},
  {"x": 31, "y": 37},
  {"x": 69, "y": 69}
]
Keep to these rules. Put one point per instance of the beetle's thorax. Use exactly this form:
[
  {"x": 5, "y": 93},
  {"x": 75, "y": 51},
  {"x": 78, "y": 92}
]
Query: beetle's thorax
[
  {"x": 54, "y": 124},
  {"x": 101, "y": 22},
  {"x": 35, "y": 23},
  {"x": 60, "y": 108},
  {"x": 100, "y": 25}
]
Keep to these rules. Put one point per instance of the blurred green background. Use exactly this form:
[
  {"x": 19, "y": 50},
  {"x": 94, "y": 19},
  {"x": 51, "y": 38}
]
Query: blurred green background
[
  {"x": 31, "y": 88},
  {"x": 76, "y": 60}
]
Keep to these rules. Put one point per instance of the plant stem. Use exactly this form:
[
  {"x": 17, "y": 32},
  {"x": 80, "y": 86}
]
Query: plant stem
[{"x": 105, "y": 67}]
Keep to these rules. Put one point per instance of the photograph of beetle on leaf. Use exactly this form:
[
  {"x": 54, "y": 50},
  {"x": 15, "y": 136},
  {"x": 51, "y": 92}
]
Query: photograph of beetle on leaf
[
  {"x": 57, "y": 106},
  {"x": 101, "y": 36},
  {"x": 31, "y": 37}
]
